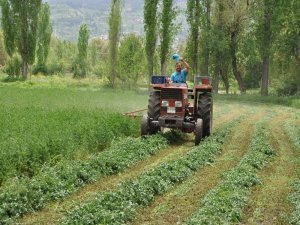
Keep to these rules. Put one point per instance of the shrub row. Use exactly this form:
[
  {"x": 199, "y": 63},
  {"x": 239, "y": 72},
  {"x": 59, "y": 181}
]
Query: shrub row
[
  {"x": 26, "y": 195},
  {"x": 121, "y": 204},
  {"x": 224, "y": 204},
  {"x": 32, "y": 137}
]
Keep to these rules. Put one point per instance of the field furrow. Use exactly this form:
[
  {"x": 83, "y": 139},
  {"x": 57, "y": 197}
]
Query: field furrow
[
  {"x": 184, "y": 199},
  {"x": 269, "y": 202},
  {"x": 224, "y": 204},
  {"x": 120, "y": 205},
  {"x": 54, "y": 210},
  {"x": 60, "y": 181}
]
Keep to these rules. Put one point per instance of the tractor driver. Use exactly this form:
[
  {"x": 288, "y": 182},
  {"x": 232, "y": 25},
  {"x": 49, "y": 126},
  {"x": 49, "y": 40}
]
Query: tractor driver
[{"x": 179, "y": 76}]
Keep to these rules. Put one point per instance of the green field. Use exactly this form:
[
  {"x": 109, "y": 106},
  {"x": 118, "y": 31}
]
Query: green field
[{"x": 69, "y": 156}]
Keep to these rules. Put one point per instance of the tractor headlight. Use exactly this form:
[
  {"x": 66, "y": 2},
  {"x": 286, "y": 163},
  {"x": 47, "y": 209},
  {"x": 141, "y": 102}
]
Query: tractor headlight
[
  {"x": 178, "y": 104},
  {"x": 164, "y": 103}
]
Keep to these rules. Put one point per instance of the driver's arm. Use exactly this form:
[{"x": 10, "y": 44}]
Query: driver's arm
[{"x": 186, "y": 65}]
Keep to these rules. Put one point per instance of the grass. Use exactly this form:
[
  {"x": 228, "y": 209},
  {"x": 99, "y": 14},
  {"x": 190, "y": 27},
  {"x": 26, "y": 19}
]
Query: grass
[
  {"x": 43, "y": 124},
  {"x": 121, "y": 205},
  {"x": 73, "y": 98},
  {"x": 292, "y": 101},
  {"x": 31, "y": 137},
  {"x": 294, "y": 198},
  {"x": 224, "y": 204},
  {"x": 22, "y": 196}
]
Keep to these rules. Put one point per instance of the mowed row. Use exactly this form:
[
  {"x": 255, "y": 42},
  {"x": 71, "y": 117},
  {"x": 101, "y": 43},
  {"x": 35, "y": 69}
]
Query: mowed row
[{"x": 240, "y": 130}]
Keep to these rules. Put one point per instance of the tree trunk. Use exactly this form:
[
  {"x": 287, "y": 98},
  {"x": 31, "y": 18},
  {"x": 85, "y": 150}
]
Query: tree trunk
[
  {"x": 150, "y": 70},
  {"x": 113, "y": 79},
  {"x": 24, "y": 70},
  {"x": 224, "y": 75},
  {"x": 164, "y": 68},
  {"x": 216, "y": 79},
  {"x": 266, "y": 49},
  {"x": 265, "y": 77},
  {"x": 236, "y": 72}
]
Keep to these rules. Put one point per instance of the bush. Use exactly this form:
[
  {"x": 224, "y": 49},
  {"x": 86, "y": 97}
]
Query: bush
[
  {"x": 14, "y": 67},
  {"x": 40, "y": 69}
]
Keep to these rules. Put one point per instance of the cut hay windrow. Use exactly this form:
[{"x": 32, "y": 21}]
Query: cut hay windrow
[
  {"x": 27, "y": 195},
  {"x": 120, "y": 205},
  {"x": 294, "y": 197},
  {"x": 225, "y": 203},
  {"x": 295, "y": 202},
  {"x": 293, "y": 132}
]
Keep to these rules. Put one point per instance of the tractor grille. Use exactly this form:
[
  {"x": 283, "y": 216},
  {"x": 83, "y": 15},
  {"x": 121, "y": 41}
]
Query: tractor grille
[{"x": 170, "y": 93}]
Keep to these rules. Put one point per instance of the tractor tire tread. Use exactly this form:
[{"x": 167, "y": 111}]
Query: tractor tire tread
[{"x": 204, "y": 111}]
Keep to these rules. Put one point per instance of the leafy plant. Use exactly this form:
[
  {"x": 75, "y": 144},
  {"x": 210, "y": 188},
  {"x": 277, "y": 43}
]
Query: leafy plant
[
  {"x": 120, "y": 205},
  {"x": 224, "y": 204},
  {"x": 32, "y": 137},
  {"x": 21, "y": 196}
]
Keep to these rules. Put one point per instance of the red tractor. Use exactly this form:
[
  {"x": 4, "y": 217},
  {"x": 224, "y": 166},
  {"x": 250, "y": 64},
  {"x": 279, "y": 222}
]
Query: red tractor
[{"x": 169, "y": 107}]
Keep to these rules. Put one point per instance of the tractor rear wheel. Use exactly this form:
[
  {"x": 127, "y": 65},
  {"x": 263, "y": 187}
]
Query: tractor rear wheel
[
  {"x": 154, "y": 110},
  {"x": 205, "y": 112},
  {"x": 198, "y": 131},
  {"x": 145, "y": 128}
]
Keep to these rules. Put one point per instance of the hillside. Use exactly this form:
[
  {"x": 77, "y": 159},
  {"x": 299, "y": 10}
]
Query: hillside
[{"x": 67, "y": 15}]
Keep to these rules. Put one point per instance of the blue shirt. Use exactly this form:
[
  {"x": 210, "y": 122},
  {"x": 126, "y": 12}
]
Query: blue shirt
[{"x": 179, "y": 77}]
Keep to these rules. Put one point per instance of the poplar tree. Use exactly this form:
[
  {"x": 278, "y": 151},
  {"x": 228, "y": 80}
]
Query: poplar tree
[
  {"x": 114, "y": 38},
  {"x": 44, "y": 37},
  {"x": 206, "y": 35},
  {"x": 20, "y": 23},
  {"x": 193, "y": 19},
  {"x": 82, "y": 45},
  {"x": 266, "y": 13},
  {"x": 167, "y": 32},
  {"x": 150, "y": 27}
]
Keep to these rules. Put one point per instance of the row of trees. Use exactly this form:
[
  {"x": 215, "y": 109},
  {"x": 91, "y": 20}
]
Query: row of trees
[
  {"x": 242, "y": 42},
  {"x": 27, "y": 32},
  {"x": 239, "y": 39}
]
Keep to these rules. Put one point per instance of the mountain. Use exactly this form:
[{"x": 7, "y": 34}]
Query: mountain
[{"x": 68, "y": 15}]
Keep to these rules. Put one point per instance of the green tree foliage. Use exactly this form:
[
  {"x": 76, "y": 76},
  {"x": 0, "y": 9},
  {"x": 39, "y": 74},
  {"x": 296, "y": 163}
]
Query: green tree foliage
[
  {"x": 13, "y": 67},
  {"x": 44, "y": 37},
  {"x": 98, "y": 57},
  {"x": 114, "y": 38},
  {"x": 287, "y": 57},
  {"x": 8, "y": 18},
  {"x": 193, "y": 19},
  {"x": 20, "y": 23},
  {"x": 3, "y": 54},
  {"x": 267, "y": 14},
  {"x": 131, "y": 61},
  {"x": 167, "y": 32},
  {"x": 235, "y": 24},
  {"x": 220, "y": 47},
  {"x": 81, "y": 65},
  {"x": 205, "y": 39},
  {"x": 150, "y": 27},
  {"x": 62, "y": 57}
]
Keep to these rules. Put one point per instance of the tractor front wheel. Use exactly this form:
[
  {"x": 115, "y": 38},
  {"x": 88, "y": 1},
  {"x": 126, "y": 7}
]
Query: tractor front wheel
[{"x": 198, "y": 131}]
